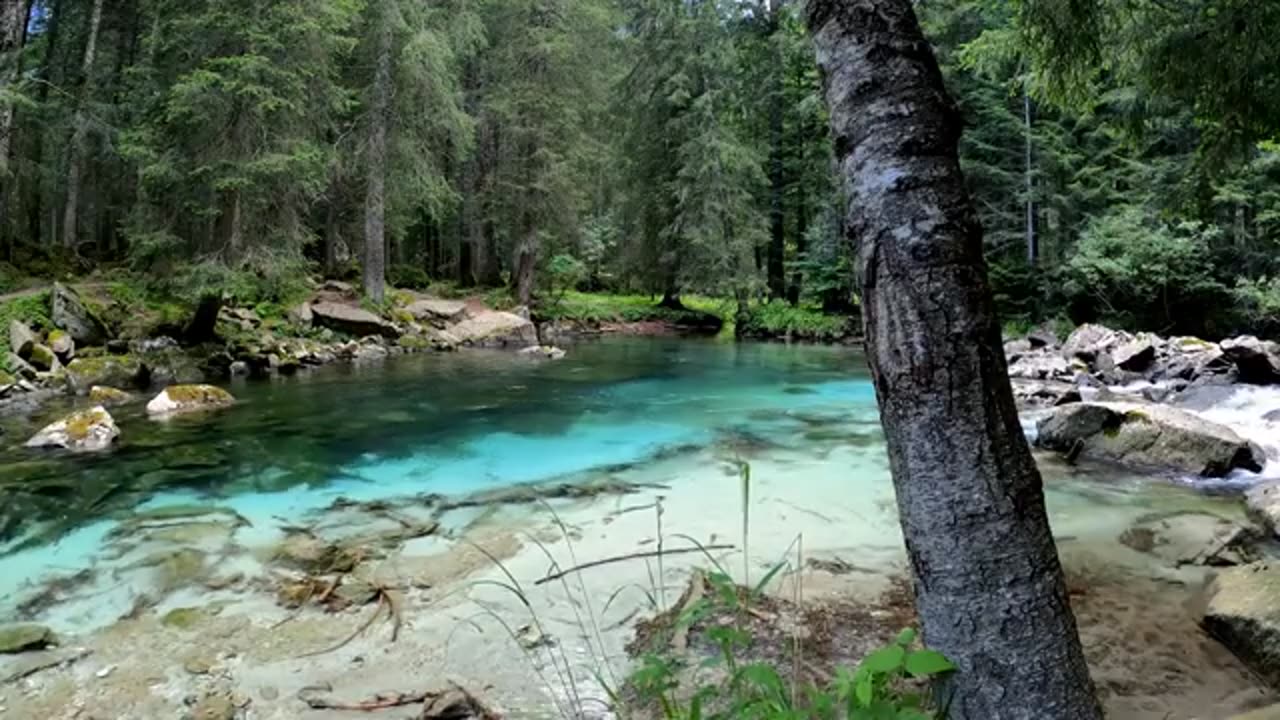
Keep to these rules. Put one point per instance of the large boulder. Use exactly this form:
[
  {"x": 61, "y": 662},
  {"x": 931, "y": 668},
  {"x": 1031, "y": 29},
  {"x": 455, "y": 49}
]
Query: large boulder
[
  {"x": 21, "y": 637},
  {"x": 1257, "y": 361},
  {"x": 21, "y": 338},
  {"x": 114, "y": 370},
  {"x": 437, "y": 310},
  {"x": 103, "y": 395},
  {"x": 351, "y": 320},
  {"x": 1147, "y": 436},
  {"x": 84, "y": 431},
  {"x": 496, "y": 329},
  {"x": 72, "y": 315},
  {"x": 1191, "y": 538},
  {"x": 43, "y": 359},
  {"x": 177, "y": 399},
  {"x": 1262, "y": 504},
  {"x": 1089, "y": 341},
  {"x": 1190, "y": 359},
  {"x": 1043, "y": 336},
  {"x": 1241, "y": 607},
  {"x": 1135, "y": 355}
]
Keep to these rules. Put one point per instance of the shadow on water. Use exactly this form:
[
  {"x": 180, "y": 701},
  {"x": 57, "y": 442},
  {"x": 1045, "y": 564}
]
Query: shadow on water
[{"x": 484, "y": 418}]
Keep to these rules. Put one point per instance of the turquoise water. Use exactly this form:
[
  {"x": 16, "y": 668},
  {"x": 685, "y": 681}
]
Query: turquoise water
[{"x": 441, "y": 423}]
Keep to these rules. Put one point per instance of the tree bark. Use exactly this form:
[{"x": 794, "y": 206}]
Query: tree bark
[
  {"x": 35, "y": 209},
  {"x": 776, "y": 254},
  {"x": 13, "y": 16},
  {"x": 989, "y": 586},
  {"x": 375, "y": 247},
  {"x": 80, "y": 133},
  {"x": 1033, "y": 246}
]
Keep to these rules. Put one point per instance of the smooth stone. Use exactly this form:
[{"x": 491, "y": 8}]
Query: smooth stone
[
  {"x": 351, "y": 320},
  {"x": 496, "y": 329},
  {"x": 106, "y": 396},
  {"x": 1241, "y": 607},
  {"x": 1262, "y": 505},
  {"x": 21, "y": 338},
  {"x": 21, "y": 637},
  {"x": 177, "y": 399}
]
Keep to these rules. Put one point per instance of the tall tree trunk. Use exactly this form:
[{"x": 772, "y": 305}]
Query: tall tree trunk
[
  {"x": 776, "y": 254},
  {"x": 988, "y": 583},
  {"x": 331, "y": 232},
  {"x": 802, "y": 230},
  {"x": 35, "y": 209},
  {"x": 525, "y": 262},
  {"x": 80, "y": 133},
  {"x": 490, "y": 260},
  {"x": 13, "y": 17},
  {"x": 375, "y": 246},
  {"x": 1033, "y": 246}
]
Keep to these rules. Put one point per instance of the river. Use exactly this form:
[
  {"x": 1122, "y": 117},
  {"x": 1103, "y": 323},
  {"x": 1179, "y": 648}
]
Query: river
[{"x": 677, "y": 419}]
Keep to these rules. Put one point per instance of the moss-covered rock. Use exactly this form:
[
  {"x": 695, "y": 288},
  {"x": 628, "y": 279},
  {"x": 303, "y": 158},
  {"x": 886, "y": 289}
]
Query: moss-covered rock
[
  {"x": 183, "y": 618},
  {"x": 21, "y": 338},
  {"x": 107, "y": 396},
  {"x": 42, "y": 358},
  {"x": 84, "y": 431},
  {"x": 189, "y": 398},
  {"x": 112, "y": 370},
  {"x": 22, "y": 637},
  {"x": 73, "y": 315}
]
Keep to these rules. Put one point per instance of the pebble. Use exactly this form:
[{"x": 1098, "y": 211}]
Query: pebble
[
  {"x": 269, "y": 693},
  {"x": 105, "y": 671},
  {"x": 198, "y": 666}
]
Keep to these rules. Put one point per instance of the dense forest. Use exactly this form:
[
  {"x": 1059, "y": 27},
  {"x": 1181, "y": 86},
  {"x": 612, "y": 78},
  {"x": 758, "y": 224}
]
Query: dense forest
[{"x": 640, "y": 146}]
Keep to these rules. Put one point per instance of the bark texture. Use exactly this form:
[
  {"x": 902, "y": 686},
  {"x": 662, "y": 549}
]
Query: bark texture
[
  {"x": 80, "y": 133},
  {"x": 13, "y": 15},
  {"x": 988, "y": 582},
  {"x": 375, "y": 244}
]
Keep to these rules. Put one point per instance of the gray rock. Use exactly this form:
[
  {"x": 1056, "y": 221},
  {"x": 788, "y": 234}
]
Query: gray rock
[
  {"x": 301, "y": 314},
  {"x": 437, "y": 310},
  {"x": 1146, "y": 436},
  {"x": 351, "y": 320},
  {"x": 546, "y": 352},
  {"x": 1241, "y": 607},
  {"x": 1262, "y": 504},
  {"x": 21, "y": 368},
  {"x": 1272, "y": 415},
  {"x": 1013, "y": 349},
  {"x": 72, "y": 315},
  {"x": 63, "y": 345},
  {"x": 1042, "y": 337},
  {"x": 42, "y": 358},
  {"x": 338, "y": 286},
  {"x": 239, "y": 368},
  {"x": 89, "y": 430},
  {"x": 21, "y": 339},
  {"x": 23, "y": 637},
  {"x": 1257, "y": 361},
  {"x": 120, "y": 371},
  {"x": 1191, "y": 538},
  {"x": 1040, "y": 365},
  {"x": 177, "y": 399},
  {"x": 1135, "y": 355},
  {"x": 496, "y": 329},
  {"x": 1089, "y": 341}
]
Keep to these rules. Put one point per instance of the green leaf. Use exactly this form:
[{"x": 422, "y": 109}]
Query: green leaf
[
  {"x": 906, "y": 637},
  {"x": 863, "y": 691},
  {"x": 885, "y": 660},
  {"x": 923, "y": 663}
]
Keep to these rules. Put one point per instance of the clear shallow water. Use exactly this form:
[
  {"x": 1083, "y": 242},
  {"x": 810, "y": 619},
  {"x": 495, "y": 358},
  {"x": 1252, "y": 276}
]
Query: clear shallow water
[{"x": 471, "y": 421}]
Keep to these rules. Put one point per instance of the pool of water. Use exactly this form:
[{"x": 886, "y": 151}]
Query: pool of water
[{"x": 661, "y": 409}]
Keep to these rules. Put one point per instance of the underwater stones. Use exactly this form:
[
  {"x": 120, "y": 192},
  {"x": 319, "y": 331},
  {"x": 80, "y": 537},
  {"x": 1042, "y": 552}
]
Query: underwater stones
[
  {"x": 308, "y": 553},
  {"x": 496, "y": 329},
  {"x": 178, "y": 399},
  {"x": 107, "y": 396},
  {"x": 183, "y": 618},
  {"x": 72, "y": 315},
  {"x": 1241, "y": 608},
  {"x": 214, "y": 706},
  {"x": 21, "y": 338},
  {"x": 1146, "y": 436},
  {"x": 89, "y": 430},
  {"x": 176, "y": 568},
  {"x": 1191, "y": 538},
  {"x": 351, "y": 320},
  {"x": 543, "y": 352},
  {"x": 23, "y": 637}
]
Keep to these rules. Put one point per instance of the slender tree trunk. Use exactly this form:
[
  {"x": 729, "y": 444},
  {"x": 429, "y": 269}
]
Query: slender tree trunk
[
  {"x": 490, "y": 261},
  {"x": 331, "y": 233},
  {"x": 375, "y": 247},
  {"x": 802, "y": 231},
  {"x": 525, "y": 263},
  {"x": 989, "y": 586},
  {"x": 80, "y": 133},
  {"x": 13, "y": 16},
  {"x": 1033, "y": 245},
  {"x": 35, "y": 209},
  {"x": 776, "y": 253}
]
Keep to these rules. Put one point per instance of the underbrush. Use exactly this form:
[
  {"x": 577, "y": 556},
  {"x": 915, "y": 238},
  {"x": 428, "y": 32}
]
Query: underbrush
[
  {"x": 726, "y": 649},
  {"x": 698, "y": 311},
  {"x": 796, "y": 322}
]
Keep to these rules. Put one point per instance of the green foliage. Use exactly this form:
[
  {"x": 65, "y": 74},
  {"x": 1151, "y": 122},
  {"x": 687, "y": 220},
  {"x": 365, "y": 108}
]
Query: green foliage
[
  {"x": 1140, "y": 272},
  {"x": 1258, "y": 305},
  {"x": 780, "y": 320},
  {"x": 34, "y": 310},
  {"x": 408, "y": 276},
  {"x": 880, "y": 687}
]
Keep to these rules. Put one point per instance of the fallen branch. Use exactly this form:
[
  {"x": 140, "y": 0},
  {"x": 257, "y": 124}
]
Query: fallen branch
[
  {"x": 630, "y": 556},
  {"x": 382, "y": 602}
]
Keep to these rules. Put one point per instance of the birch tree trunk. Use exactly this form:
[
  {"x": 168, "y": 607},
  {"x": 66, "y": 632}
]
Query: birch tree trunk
[
  {"x": 375, "y": 247},
  {"x": 80, "y": 133},
  {"x": 988, "y": 583}
]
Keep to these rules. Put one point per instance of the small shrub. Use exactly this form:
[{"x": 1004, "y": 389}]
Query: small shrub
[{"x": 408, "y": 276}]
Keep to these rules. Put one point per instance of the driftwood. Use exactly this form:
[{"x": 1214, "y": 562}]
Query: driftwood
[
  {"x": 630, "y": 556},
  {"x": 454, "y": 703}
]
